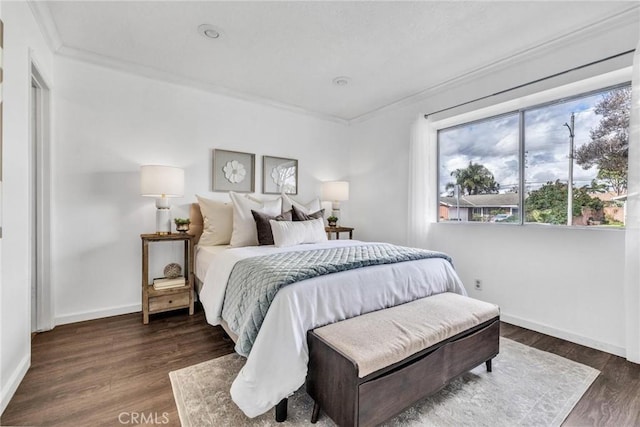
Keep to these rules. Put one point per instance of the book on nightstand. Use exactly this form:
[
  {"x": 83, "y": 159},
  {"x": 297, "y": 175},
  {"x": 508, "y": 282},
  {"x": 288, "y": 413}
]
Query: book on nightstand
[{"x": 167, "y": 283}]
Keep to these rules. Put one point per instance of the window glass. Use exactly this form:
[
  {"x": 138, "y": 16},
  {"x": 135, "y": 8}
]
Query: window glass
[
  {"x": 479, "y": 171},
  {"x": 582, "y": 140},
  {"x": 597, "y": 126}
]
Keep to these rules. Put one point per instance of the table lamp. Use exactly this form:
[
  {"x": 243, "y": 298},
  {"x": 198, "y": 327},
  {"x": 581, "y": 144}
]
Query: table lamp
[
  {"x": 162, "y": 182},
  {"x": 336, "y": 192}
]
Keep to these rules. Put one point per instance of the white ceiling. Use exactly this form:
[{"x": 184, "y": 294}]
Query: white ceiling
[{"x": 289, "y": 52}]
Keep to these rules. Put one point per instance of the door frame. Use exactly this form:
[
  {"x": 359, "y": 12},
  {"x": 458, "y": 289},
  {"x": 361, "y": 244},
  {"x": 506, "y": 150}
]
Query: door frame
[{"x": 40, "y": 199}]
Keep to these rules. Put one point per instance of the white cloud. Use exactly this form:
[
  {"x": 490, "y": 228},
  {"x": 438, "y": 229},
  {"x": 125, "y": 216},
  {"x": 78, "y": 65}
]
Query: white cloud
[{"x": 494, "y": 144}]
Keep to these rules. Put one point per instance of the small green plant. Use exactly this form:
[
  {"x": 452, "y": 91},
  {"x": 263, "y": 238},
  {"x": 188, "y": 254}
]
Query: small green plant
[
  {"x": 332, "y": 218},
  {"x": 180, "y": 221}
]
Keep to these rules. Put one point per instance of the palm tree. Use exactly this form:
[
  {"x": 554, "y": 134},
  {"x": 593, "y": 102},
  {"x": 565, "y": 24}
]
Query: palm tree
[{"x": 474, "y": 179}]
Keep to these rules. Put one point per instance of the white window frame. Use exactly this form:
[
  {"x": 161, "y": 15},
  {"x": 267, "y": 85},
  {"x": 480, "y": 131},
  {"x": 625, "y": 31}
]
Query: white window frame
[{"x": 548, "y": 96}]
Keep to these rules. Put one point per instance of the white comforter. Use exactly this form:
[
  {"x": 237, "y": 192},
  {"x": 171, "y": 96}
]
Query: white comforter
[{"x": 277, "y": 364}]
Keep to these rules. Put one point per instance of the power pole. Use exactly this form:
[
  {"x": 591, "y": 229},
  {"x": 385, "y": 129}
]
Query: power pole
[
  {"x": 456, "y": 190},
  {"x": 570, "y": 183}
]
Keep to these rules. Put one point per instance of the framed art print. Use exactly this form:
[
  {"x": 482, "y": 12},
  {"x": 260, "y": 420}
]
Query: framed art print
[
  {"x": 234, "y": 171},
  {"x": 279, "y": 175}
]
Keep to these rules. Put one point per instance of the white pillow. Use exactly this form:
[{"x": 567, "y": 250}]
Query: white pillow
[
  {"x": 308, "y": 208},
  {"x": 218, "y": 222},
  {"x": 289, "y": 233},
  {"x": 244, "y": 226}
]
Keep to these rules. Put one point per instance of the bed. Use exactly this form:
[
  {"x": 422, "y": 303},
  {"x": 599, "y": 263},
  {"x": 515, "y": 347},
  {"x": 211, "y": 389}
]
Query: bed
[{"x": 277, "y": 363}]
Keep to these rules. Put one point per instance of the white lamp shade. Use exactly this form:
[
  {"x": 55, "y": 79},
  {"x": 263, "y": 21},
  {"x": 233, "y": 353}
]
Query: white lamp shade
[
  {"x": 336, "y": 191},
  {"x": 161, "y": 181}
]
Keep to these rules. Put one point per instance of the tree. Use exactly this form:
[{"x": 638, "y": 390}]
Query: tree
[
  {"x": 548, "y": 204},
  {"x": 596, "y": 186},
  {"x": 616, "y": 179},
  {"x": 609, "y": 145},
  {"x": 474, "y": 179}
]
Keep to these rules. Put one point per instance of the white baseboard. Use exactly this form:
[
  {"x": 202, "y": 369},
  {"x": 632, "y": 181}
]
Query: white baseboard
[
  {"x": 565, "y": 335},
  {"x": 97, "y": 314},
  {"x": 14, "y": 381}
]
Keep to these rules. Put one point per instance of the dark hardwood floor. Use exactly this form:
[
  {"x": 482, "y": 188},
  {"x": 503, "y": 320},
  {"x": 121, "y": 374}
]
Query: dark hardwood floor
[
  {"x": 92, "y": 373},
  {"x": 89, "y": 373},
  {"x": 614, "y": 397}
]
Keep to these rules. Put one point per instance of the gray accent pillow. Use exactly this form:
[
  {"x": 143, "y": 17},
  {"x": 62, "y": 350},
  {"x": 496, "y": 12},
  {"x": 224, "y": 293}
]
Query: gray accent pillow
[
  {"x": 298, "y": 215},
  {"x": 265, "y": 236}
]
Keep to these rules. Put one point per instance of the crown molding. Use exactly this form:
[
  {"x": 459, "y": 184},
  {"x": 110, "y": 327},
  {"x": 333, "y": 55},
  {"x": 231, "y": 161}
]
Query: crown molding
[
  {"x": 48, "y": 28},
  {"x": 167, "y": 77},
  {"x": 626, "y": 17}
]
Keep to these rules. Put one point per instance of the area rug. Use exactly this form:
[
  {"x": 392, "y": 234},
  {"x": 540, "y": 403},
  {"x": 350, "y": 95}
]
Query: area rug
[{"x": 527, "y": 387}]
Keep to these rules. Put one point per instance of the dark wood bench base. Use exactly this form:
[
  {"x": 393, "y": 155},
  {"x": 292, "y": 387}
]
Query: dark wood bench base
[
  {"x": 281, "y": 410},
  {"x": 334, "y": 385},
  {"x": 316, "y": 413}
]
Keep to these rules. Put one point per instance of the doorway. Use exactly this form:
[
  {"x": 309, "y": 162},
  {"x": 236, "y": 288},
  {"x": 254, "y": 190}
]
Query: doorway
[{"x": 39, "y": 209}]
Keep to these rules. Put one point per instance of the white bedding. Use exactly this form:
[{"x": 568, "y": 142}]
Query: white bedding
[
  {"x": 204, "y": 256},
  {"x": 277, "y": 364}
]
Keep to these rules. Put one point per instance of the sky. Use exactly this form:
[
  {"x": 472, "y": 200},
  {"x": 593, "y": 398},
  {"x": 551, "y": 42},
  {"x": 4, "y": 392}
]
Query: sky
[{"x": 494, "y": 144}]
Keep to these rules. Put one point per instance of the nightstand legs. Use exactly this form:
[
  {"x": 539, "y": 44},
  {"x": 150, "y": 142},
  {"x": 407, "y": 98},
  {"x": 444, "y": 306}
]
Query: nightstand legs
[{"x": 192, "y": 299}]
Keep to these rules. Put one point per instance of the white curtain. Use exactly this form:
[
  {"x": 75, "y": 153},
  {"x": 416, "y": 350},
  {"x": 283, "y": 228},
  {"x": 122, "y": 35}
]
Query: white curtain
[
  {"x": 632, "y": 224},
  {"x": 423, "y": 206}
]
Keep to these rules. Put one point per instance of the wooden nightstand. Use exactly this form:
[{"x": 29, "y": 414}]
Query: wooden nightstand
[
  {"x": 159, "y": 300},
  {"x": 339, "y": 230}
]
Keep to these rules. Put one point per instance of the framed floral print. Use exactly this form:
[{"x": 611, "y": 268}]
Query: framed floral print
[
  {"x": 233, "y": 171},
  {"x": 279, "y": 175}
]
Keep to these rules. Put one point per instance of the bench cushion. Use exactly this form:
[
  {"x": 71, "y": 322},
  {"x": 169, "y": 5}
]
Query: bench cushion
[{"x": 381, "y": 338}]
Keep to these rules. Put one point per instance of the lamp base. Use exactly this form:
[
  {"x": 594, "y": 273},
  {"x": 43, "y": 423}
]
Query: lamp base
[
  {"x": 335, "y": 209},
  {"x": 163, "y": 221}
]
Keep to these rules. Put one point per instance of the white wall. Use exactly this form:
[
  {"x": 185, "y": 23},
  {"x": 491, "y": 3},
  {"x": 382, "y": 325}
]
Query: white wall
[
  {"x": 5, "y": 387},
  {"x": 567, "y": 283},
  {"x": 108, "y": 123},
  {"x": 22, "y": 41},
  {"x": 564, "y": 282}
]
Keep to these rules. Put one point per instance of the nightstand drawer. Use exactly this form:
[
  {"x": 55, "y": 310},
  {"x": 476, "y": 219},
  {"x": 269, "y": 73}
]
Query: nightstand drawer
[{"x": 168, "y": 302}]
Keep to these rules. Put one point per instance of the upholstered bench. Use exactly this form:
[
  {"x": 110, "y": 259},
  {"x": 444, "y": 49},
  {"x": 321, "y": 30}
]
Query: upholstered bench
[{"x": 364, "y": 370}]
